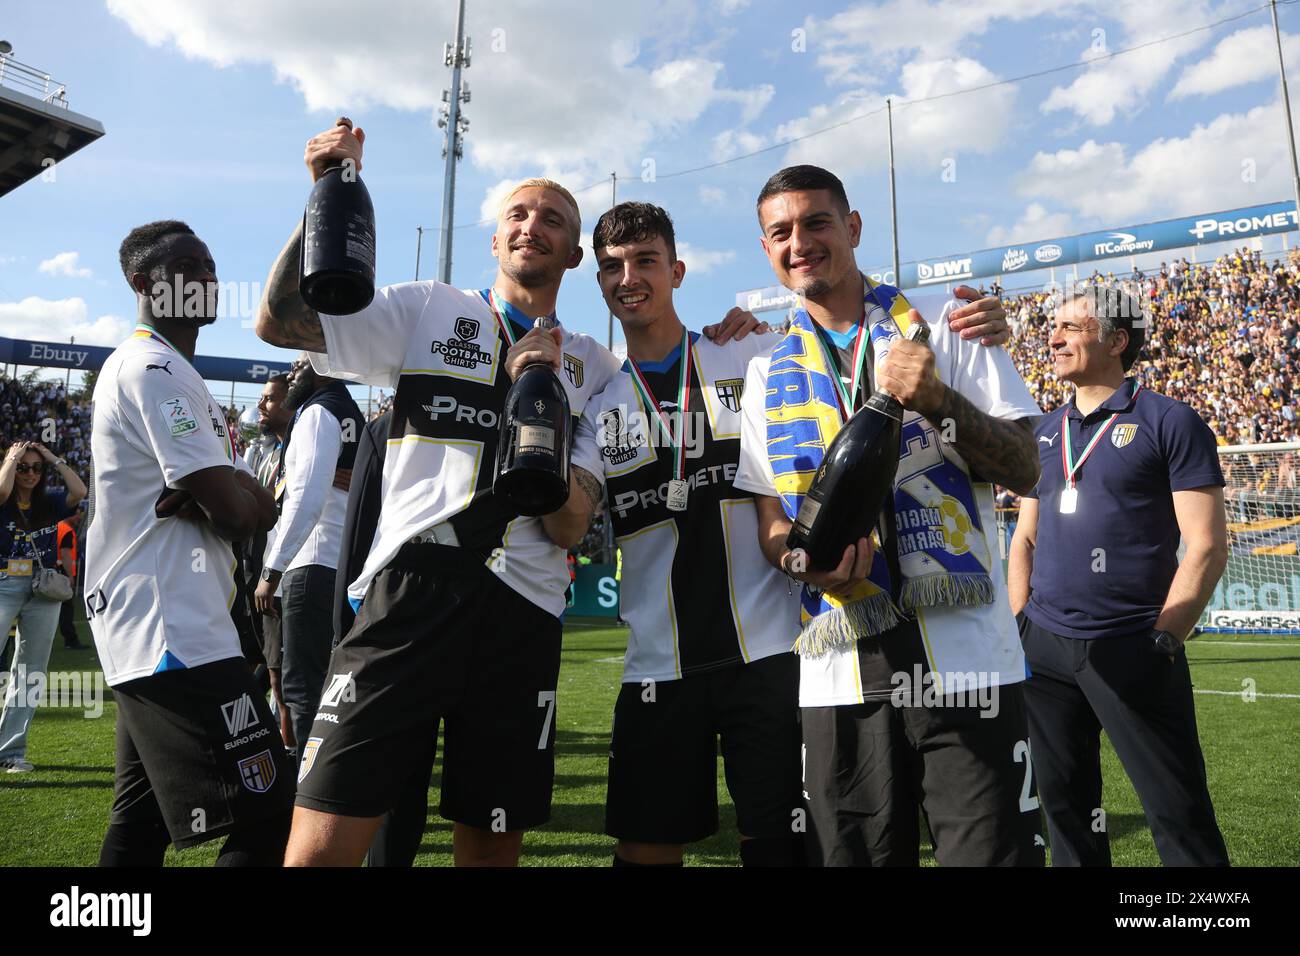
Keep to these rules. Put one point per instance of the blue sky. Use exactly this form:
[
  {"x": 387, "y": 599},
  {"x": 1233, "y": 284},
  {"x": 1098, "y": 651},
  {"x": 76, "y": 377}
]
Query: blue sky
[{"x": 207, "y": 104}]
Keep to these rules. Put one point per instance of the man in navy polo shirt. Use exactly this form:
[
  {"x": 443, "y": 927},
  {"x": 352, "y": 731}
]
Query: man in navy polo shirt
[{"x": 1107, "y": 605}]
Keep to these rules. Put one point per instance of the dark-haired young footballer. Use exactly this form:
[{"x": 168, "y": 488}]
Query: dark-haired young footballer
[
  {"x": 910, "y": 659},
  {"x": 198, "y": 755},
  {"x": 459, "y": 598},
  {"x": 711, "y": 621}
]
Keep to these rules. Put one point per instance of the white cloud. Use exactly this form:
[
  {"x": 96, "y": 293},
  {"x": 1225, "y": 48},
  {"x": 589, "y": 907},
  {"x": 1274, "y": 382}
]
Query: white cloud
[
  {"x": 878, "y": 35},
  {"x": 1247, "y": 56},
  {"x": 1123, "y": 84},
  {"x": 64, "y": 264},
  {"x": 703, "y": 261},
  {"x": 924, "y": 133},
  {"x": 1034, "y": 224},
  {"x": 54, "y": 320},
  {"x": 555, "y": 89},
  {"x": 729, "y": 7},
  {"x": 1237, "y": 159},
  {"x": 736, "y": 142},
  {"x": 712, "y": 196}
]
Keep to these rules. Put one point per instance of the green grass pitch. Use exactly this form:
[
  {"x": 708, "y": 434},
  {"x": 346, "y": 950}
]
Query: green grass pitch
[{"x": 55, "y": 816}]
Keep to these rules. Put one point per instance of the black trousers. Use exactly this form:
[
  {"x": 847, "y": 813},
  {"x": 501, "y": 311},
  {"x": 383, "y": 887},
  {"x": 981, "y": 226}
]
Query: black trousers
[
  {"x": 871, "y": 769},
  {"x": 307, "y": 629},
  {"x": 1143, "y": 701},
  {"x": 66, "y": 626}
]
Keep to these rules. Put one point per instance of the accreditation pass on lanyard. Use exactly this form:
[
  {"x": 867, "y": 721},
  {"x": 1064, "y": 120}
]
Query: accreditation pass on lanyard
[
  {"x": 1070, "y": 493},
  {"x": 678, "y": 488}
]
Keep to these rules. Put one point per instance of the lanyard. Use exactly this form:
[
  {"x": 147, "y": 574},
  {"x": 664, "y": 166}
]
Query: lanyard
[
  {"x": 683, "y": 398},
  {"x": 143, "y": 331},
  {"x": 848, "y": 396},
  {"x": 503, "y": 323},
  {"x": 1068, "y": 465}
]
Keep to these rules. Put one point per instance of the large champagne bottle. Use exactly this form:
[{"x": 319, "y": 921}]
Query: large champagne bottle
[
  {"x": 536, "y": 437},
  {"x": 337, "y": 273},
  {"x": 855, "y": 480}
]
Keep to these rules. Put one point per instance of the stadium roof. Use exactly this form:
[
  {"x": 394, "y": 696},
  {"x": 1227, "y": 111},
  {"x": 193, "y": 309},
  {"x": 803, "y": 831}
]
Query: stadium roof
[{"x": 36, "y": 125}]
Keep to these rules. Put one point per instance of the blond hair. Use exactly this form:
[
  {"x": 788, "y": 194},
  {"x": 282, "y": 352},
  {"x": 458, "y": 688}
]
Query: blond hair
[{"x": 538, "y": 182}]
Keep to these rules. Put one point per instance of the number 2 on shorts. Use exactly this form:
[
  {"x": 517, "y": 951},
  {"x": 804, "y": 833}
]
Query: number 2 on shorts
[
  {"x": 1021, "y": 753},
  {"x": 546, "y": 698}
]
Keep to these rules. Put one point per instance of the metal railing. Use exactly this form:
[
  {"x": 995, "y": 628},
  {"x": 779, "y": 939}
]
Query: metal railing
[{"x": 27, "y": 79}]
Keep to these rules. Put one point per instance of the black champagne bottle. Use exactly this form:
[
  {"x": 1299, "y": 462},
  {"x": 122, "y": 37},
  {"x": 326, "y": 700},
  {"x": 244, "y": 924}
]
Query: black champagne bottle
[
  {"x": 337, "y": 273},
  {"x": 536, "y": 438},
  {"x": 855, "y": 480}
]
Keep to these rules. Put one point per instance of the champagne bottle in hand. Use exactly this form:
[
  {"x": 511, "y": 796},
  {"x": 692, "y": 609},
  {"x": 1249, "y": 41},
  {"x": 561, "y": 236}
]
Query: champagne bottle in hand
[
  {"x": 855, "y": 480},
  {"x": 337, "y": 274},
  {"x": 536, "y": 437}
]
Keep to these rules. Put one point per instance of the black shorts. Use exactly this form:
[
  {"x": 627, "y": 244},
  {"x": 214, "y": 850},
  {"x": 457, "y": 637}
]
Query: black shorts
[
  {"x": 663, "y": 757},
  {"x": 439, "y": 637},
  {"x": 198, "y": 749},
  {"x": 870, "y": 769}
]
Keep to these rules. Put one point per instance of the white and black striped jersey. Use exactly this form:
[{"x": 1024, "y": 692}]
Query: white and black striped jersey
[
  {"x": 695, "y": 586},
  {"x": 441, "y": 348}
]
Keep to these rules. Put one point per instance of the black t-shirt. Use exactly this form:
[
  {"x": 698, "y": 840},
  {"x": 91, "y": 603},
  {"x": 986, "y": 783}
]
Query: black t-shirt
[{"x": 17, "y": 523}]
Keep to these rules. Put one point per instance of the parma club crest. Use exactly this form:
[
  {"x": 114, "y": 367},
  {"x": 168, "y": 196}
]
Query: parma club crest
[
  {"x": 258, "y": 771},
  {"x": 573, "y": 369},
  {"x": 729, "y": 391},
  {"x": 1121, "y": 435}
]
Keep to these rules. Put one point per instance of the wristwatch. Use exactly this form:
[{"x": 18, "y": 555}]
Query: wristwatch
[
  {"x": 1165, "y": 643},
  {"x": 267, "y": 572}
]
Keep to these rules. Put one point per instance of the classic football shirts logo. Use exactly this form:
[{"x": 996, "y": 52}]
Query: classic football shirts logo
[{"x": 459, "y": 349}]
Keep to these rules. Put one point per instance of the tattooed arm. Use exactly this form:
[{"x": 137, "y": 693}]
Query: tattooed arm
[
  {"x": 283, "y": 318},
  {"x": 997, "y": 449},
  {"x": 567, "y": 526}
]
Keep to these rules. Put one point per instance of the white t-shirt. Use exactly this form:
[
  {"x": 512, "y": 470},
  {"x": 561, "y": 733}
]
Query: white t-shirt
[
  {"x": 695, "y": 589},
  {"x": 310, "y": 529},
  {"x": 158, "y": 592},
  {"x": 983, "y": 640},
  {"x": 440, "y": 347}
]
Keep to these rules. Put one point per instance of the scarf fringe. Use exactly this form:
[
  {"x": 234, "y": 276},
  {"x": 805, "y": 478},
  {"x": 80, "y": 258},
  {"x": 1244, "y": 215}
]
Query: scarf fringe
[
  {"x": 947, "y": 590},
  {"x": 840, "y": 627}
]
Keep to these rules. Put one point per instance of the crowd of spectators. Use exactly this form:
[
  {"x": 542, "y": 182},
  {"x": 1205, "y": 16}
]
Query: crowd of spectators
[
  {"x": 44, "y": 412},
  {"x": 1222, "y": 336}
]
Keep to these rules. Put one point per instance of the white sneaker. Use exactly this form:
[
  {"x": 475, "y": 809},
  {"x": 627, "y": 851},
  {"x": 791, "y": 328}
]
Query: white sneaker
[{"x": 17, "y": 765}]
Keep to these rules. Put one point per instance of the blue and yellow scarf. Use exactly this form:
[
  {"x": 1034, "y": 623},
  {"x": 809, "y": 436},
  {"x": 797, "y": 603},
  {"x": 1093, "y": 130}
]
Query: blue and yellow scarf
[{"x": 943, "y": 554}]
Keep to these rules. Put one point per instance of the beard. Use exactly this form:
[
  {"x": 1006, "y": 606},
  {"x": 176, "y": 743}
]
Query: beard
[
  {"x": 814, "y": 288},
  {"x": 531, "y": 275},
  {"x": 299, "y": 392}
]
